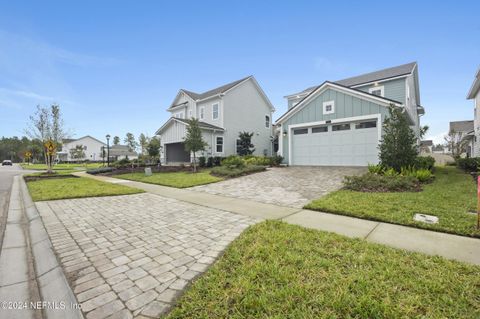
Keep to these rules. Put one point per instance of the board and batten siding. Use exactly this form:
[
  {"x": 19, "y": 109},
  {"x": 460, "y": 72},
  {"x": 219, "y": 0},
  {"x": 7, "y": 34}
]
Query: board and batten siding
[
  {"x": 175, "y": 132},
  {"x": 346, "y": 106}
]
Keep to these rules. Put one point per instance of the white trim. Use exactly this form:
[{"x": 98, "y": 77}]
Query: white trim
[
  {"x": 280, "y": 143},
  {"x": 201, "y": 115},
  {"x": 365, "y": 96},
  {"x": 223, "y": 144},
  {"x": 218, "y": 111},
  {"x": 384, "y": 80},
  {"x": 376, "y": 88},
  {"x": 269, "y": 121},
  {"x": 377, "y": 116},
  {"x": 332, "y": 104}
]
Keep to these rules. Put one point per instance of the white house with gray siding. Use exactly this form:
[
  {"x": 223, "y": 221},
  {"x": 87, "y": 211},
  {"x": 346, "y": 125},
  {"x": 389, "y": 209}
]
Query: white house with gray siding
[
  {"x": 474, "y": 94},
  {"x": 223, "y": 112},
  {"x": 340, "y": 123}
]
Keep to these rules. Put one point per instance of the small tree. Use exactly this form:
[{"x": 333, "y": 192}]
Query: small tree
[
  {"x": 78, "y": 152},
  {"x": 423, "y": 131},
  {"x": 245, "y": 146},
  {"x": 153, "y": 148},
  {"x": 455, "y": 143},
  {"x": 143, "y": 142},
  {"x": 116, "y": 140},
  {"x": 130, "y": 141},
  {"x": 194, "y": 141},
  {"x": 398, "y": 146}
]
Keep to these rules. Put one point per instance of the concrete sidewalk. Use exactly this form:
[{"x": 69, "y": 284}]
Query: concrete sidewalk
[{"x": 459, "y": 248}]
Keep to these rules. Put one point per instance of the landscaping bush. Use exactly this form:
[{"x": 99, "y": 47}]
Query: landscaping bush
[
  {"x": 375, "y": 169},
  {"x": 381, "y": 183},
  {"x": 217, "y": 161},
  {"x": 469, "y": 164},
  {"x": 234, "y": 161},
  {"x": 100, "y": 170},
  {"x": 210, "y": 162},
  {"x": 225, "y": 171},
  {"x": 391, "y": 172},
  {"x": 277, "y": 160},
  {"x": 423, "y": 175},
  {"x": 259, "y": 160},
  {"x": 425, "y": 162},
  {"x": 202, "y": 161}
]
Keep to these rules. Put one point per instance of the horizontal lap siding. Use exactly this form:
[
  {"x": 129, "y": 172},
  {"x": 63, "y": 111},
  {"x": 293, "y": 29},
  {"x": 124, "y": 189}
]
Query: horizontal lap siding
[{"x": 394, "y": 89}]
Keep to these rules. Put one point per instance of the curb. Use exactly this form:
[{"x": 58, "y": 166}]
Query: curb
[{"x": 47, "y": 282}]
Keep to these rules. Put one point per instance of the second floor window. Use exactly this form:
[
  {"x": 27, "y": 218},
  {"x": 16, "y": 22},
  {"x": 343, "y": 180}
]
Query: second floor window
[
  {"x": 267, "y": 121},
  {"x": 215, "y": 111},
  {"x": 377, "y": 90},
  {"x": 179, "y": 115},
  {"x": 202, "y": 113}
]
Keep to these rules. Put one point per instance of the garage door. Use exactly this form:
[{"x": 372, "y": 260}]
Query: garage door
[
  {"x": 339, "y": 144},
  {"x": 175, "y": 153}
]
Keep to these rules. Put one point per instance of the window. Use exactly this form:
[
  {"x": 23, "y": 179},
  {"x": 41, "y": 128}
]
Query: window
[
  {"x": 202, "y": 113},
  {"x": 368, "y": 124},
  {"x": 320, "y": 129},
  {"x": 179, "y": 115},
  {"x": 219, "y": 145},
  {"x": 237, "y": 146},
  {"x": 341, "y": 127},
  {"x": 215, "y": 111},
  {"x": 300, "y": 131},
  {"x": 329, "y": 107},
  {"x": 267, "y": 121},
  {"x": 376, "y": 90},
  {"x": 190, "y": 114}
]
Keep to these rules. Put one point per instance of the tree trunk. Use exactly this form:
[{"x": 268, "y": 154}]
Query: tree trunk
[{"x": 194, "y": 163}]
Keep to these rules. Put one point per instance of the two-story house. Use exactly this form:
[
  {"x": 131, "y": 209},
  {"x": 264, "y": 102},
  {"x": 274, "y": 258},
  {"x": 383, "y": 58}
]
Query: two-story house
[
  {"x": 223, "y": 113},
  {"x": 474, "y": 94},
  {"x": 463, "y": 133},
  {"x": 340, "y": 123},
  {"x": 92, "y": 149}
]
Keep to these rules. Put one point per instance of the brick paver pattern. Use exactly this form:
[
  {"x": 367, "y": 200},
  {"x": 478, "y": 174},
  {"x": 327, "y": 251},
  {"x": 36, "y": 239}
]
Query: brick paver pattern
[
  {"x": 132, "y": 256},
  {"x": 284, "y": 186}
]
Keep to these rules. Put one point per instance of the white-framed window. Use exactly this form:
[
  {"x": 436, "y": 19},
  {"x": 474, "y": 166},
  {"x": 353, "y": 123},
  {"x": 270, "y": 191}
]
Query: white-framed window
[
  {"x": 215, "y": 111},
  {"x": 189, "y": 114},
  {"x": 219, "y": 144},
  {"x": 408, "y": 93},
  {"x": 267, "y": 121},
  {"x": 237, "y": 146},
  {"x": 179, "y": 115},
  {"x": 329, "y": 107},
  {"x": 377, "y": 90},
  {"x": 202, "y": 113}
]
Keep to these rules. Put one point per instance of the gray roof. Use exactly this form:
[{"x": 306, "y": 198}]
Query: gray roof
[
  {"x": 202, "y": 124},
  {"x": 372, "y": 76},
  {"x": 461, "y": 126},
  {"x": 426, "y": 143},
  {"x": 218, "y": 90}
]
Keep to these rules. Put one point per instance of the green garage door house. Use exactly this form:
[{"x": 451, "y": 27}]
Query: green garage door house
[{"x": 340, "y": 123}]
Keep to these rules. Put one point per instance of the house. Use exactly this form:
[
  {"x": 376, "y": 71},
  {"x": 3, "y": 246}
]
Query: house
[
  {"x": 223, "y": 112},
  {"x": 426, "y": 146},
  {"x": 474, "y": 94},
  {"x": 119, "y": 152},
  {"x": 340, "y": 123},
  {"x": 92, "y": 149},
  {"x": 463, "y": 131}
]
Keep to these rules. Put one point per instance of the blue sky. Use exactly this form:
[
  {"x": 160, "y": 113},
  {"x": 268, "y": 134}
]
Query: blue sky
[{"x": 114, "y": 66}]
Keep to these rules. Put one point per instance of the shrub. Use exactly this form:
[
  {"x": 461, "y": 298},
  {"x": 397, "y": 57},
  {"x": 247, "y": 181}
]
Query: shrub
[
  {"x": 100, "y": 170},
  {"x": 202, "y": 161},
  {"x": 277, "y": 160},
  {"x": 259, "y": 160},
  {"x": 380, "y": 183},
  {"x": 375, "y": 169},
  {"x": 423, "y": 175},
  {"x": 391, "y": 172},
  {"x": 217, "y": 161},
  {"x": 469, "y": 164},
  {"x": 408, "y": 171},
  {"x": 210, "y": 162},
  {"x": 424, "y": 162},
  {"x": 234, "y": 161},
  {"x": 225, "y": 171}
]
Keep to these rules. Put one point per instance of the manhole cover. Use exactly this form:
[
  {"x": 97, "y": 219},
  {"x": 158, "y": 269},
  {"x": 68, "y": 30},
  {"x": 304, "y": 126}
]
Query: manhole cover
[{"x": 429, "y": 219}]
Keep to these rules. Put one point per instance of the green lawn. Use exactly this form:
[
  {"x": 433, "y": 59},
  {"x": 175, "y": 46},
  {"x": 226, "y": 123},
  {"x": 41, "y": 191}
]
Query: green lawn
[
  {"x": 175, "y": 179},
  {"x": 276, "y": 270},
  {"x": 450, "y": 197},
  {"x": 50, "y": 189},
  {"x": 63, "y": 166}
]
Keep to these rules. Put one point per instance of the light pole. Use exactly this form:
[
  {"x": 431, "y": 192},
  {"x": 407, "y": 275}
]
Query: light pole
[{"x": 108, "y": 150}]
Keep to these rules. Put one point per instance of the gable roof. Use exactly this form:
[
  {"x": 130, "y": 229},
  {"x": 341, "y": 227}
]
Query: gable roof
[
  {"x": 201, "y": 124},
  {"x": 215, "y": 91},
  {"x": 461, "y": 126},
  {"x": 475, "y": 86},
  {"x": 70, "y": 140},
  {"x": 379, "y": 75},
  {"x": 338, "y": 86},
  {"x": 121, "y": 150},
  {"x": 426, "y": 143}
]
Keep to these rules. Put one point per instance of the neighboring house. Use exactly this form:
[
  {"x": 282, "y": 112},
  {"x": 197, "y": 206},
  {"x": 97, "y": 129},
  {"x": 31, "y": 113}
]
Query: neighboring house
[
  {"x": 119, "y": 152},
  {"x": 463, "y": 132},
  {"x": 340, "y": 123},
  {"x": 92, "y": 149},
  {"x": 223, "y": 112},
  {"x": 438, "y": 149},
  {"x": 426, "y": 146},
  {"x": 474, "y": 94}
]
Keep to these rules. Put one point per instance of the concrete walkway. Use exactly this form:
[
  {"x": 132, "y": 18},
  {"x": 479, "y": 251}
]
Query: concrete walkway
[{"x": 459, "y": 248}]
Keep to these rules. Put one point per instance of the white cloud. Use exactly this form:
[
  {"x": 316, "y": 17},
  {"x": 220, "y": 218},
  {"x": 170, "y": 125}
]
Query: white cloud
[{"x": 437, "y": 138}]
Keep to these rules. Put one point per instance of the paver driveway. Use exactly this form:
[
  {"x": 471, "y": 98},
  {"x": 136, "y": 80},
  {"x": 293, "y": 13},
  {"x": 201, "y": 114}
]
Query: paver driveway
[
  {"x": 132, "y": 255},
  {"x": 284, "y": 186}
]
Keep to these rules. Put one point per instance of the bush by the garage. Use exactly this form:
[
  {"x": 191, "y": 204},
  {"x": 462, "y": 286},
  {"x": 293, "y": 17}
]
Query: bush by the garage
[
  {"x": 370, "y": 182},
  {"x": 225, "y": 171}
]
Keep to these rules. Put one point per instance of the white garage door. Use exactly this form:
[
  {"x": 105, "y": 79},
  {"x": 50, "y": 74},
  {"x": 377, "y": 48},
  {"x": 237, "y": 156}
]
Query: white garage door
[{"x": 339, "y": 144}]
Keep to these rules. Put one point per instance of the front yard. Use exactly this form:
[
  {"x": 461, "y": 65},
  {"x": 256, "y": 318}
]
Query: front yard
[
  {"x": 72, "y": 187},
  {"x": 450, "y": 197},
  {"x": 173, "y": 179},
  {"x": 62, "y": 166},
  {"x": 276, "y": 270}
]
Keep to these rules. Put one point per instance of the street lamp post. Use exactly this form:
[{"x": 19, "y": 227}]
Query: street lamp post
[{"x": 108, "y": 150}]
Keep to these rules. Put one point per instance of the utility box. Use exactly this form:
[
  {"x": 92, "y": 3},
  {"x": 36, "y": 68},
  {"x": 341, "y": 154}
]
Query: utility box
[{"x": 148, "y": 171}]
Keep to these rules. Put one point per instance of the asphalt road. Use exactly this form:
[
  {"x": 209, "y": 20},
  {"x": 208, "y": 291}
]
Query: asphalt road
[{"x": 6, "y": 179}]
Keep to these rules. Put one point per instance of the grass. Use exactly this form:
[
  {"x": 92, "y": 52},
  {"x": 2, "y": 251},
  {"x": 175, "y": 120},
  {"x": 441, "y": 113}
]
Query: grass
[
  {"x": 450, "y": 196},
  {"x": 51, "y": 189},
  {"x": 276, "y": 270},
  {"x": 175, "y": 179},
  {"x": 62, "y": 166}
]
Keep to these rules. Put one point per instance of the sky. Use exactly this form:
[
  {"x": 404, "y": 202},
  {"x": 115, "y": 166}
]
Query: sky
[{"x": 115, "y": 66}]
